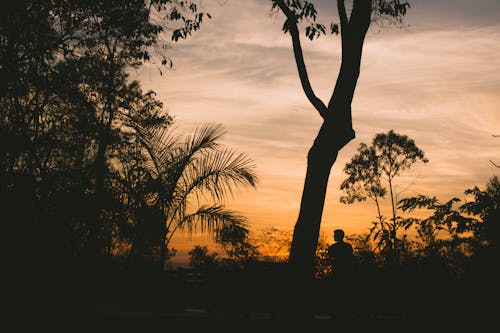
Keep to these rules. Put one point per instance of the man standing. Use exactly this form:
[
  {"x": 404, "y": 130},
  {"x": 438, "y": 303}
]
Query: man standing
[{"x": 341, "y": 256}]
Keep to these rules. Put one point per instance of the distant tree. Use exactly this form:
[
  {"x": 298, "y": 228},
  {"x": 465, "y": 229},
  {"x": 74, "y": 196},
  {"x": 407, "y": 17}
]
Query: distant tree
[
  {"x": 235, "y": 240},
  {"x": 199, "y": 257},
  {"x": 336, "y": 130},
  {"x": 389, "y": 155}
]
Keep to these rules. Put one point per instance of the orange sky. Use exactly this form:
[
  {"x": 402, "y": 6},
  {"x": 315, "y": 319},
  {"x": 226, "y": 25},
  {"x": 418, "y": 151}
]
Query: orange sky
[{"x": 437, "y": 81}]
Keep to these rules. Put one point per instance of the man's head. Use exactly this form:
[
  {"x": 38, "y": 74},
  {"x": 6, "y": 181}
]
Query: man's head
[{"x": 338, "y": 235}]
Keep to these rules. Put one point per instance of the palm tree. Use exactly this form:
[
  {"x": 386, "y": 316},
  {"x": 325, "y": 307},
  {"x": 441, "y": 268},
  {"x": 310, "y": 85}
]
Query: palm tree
[{"x": 193, "y": 178}]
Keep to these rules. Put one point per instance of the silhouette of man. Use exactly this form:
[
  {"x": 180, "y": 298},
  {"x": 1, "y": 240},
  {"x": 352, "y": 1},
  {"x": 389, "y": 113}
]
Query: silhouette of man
[
  {"x": 341, "y": 256},
  {"x": 341, "y": 259}
]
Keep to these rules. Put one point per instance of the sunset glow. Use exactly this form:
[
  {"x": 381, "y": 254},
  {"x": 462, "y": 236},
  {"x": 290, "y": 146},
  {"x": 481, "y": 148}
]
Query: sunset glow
[{"x": 436, "y": 80}]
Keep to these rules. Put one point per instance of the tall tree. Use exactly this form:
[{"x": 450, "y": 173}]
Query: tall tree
[{"x": 336, "y": 130}]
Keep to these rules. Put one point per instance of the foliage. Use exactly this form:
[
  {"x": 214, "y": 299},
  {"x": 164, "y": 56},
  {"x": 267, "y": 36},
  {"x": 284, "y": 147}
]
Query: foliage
[
  {"x": 448, "y": 226},
  {"x": 304, "y": 11},
  {"x": 235, "y": 240},
  {"x": 486, "y": 205},
  {"x": 76, "y": 181},
  {"x": 192, "y": 178},
  {"x": 199, "y": 257},
  {"x": 389, "y": 155}
]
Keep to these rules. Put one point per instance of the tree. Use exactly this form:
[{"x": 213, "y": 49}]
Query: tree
[
  {"x": 235, "y": 240},
  {"x": 336, "y": 130},
  {"x": 200, "y": 258},
  {"x": 192, "y": 178},
  {"x": 389, "y": 155},
  {"x": 364, "y": 182}
]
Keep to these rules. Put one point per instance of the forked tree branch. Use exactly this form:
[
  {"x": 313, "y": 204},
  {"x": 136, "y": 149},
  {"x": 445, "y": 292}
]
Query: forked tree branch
[
  {"x": 342, "y": 14},
  {"x": 299, "y": 59}
]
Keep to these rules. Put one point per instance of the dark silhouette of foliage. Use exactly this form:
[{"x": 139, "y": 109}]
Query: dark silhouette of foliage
[
  {"x": 389, "y": 155},
  {"x": 192, "y": 179},
  {"x": 235, "y": 240},
  {"x": 199, "y": 257},
  {"x": 74, "y": 178},
  {"x": 486, "y": 205}
]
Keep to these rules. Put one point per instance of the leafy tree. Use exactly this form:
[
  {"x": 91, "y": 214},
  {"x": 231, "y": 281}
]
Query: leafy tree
[
  {"x": 336, "y": 130},
  {"x": 389, "y": 155}
]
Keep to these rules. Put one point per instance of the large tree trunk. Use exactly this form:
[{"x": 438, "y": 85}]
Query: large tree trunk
[
  {"x": 335, "y": 132},
  {"x": 320, "y": 160}
]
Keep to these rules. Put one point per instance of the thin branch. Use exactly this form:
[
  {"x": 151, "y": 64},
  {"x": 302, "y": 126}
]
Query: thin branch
[
  {"x": 299, "y": 59},
  {"x": 496, "y": 165}
]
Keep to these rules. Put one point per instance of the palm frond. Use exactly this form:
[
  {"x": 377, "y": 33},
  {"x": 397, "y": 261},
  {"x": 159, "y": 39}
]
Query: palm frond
[
  {"x": 160, "y": 144},
  {"x": 204, "y": 137},
  {"x": 172, "y": 157},
  {"x": 210, "y": 219},
  {"x": 217, "y": 175}
]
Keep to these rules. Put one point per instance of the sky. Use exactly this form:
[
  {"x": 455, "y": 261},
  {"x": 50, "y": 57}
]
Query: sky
[{"x": 436, "y": 79}]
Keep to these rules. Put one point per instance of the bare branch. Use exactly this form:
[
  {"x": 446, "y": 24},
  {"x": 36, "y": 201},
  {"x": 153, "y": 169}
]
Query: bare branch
[
  {"x": 496, "y": 165},
  {"x": 299, "y": 59}
]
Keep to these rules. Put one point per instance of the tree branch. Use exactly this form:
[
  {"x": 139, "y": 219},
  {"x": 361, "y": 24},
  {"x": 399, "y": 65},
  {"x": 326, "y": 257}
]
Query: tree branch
[
  {"x": 299, "y": 59},
  {"x": 352, "y": 43},
  {"x": 342, "y": 14}
]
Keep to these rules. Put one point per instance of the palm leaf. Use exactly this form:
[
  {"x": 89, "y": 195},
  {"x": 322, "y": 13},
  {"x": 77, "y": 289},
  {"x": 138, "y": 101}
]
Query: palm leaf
[{"x": 210, "y": 219}]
